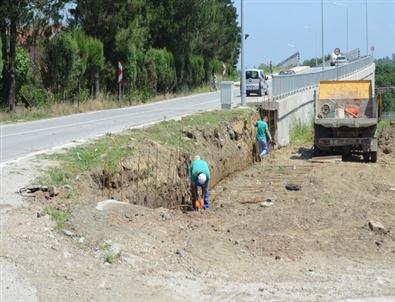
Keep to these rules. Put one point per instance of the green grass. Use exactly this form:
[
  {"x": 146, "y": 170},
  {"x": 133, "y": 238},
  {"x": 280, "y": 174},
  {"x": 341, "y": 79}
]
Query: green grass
[
  {"x": 58, "y": 215},
  {"x": 302, "y": 134},
  {"x": 109, "y": 258},
  {"x": 381, "y": 126},
  {"x": 109, "y": 151}
]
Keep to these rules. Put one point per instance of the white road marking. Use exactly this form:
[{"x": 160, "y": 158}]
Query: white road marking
[
  {"x": 96, "y": 120},
  {"x": 108, "y": 110},
  {"x": 82, "y": 141}
]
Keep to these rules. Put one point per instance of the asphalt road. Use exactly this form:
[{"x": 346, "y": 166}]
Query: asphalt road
[{"x": 23, "y": 139}]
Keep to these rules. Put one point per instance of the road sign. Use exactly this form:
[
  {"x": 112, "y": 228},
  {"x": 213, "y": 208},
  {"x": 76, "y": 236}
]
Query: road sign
[
  {"x": 372, "y": 48},
  {"x": 120, "y": 72},
  {"x": 337, "y": 51}
]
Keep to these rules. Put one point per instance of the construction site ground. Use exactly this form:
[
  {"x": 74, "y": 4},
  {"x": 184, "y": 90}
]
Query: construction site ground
[{"x": 258, "y": 242}]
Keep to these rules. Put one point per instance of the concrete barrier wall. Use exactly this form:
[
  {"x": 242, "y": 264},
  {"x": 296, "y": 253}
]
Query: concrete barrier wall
[{"x": 299, "y": 107}]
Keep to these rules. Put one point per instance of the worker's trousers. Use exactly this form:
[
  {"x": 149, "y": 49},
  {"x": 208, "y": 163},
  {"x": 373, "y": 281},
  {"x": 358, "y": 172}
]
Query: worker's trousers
[
  {"x": 263, "y": 148},
  {"x": 206, "y": 197}
]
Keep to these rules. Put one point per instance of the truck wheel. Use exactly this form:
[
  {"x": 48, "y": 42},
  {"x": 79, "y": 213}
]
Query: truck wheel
[
  {"x": 366, "y": 157},
  {"x": 373, "y": 156}
]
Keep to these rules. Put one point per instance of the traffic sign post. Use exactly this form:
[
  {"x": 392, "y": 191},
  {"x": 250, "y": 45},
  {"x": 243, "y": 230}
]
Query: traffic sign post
[
  {"x": 120, "y": 78},
  {"x": 372, "y": 50}
]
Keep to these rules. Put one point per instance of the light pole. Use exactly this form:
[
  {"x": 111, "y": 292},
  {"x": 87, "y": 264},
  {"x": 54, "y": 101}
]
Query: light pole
[
  {"x": 243, "y": 75},
  {"x": 367, "y": 31},
  {"x": 322, "y": 34},
  {"x": 347, "y": 23}
]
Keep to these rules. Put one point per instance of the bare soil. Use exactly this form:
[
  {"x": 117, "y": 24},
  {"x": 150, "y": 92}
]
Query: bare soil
[
  {"x": 259, "y": 242},
  {"x": 387, "y": 140}
]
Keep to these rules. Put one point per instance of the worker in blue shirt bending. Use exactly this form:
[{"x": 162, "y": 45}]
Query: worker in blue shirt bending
[{"x": 200, "y": 177}]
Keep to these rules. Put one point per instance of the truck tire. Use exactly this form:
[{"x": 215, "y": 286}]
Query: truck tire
[
  {"x": 373, "y": 156},
  {"x": 366, "y": 157}
]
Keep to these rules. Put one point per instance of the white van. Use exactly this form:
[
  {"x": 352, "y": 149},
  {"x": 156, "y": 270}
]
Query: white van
[{"x": 256, "y": 82}]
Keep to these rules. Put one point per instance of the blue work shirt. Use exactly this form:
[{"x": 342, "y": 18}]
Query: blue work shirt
[
  {"x": 261, "y": 127},
  {"x": 199, "y": 166}
]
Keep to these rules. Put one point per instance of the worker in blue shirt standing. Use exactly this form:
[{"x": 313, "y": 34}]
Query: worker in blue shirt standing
[
  {"x": 263, "y": 136},
  {"x": 200, "y": 177}
]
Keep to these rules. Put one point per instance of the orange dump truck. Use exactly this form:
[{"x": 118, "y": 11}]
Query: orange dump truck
[{"x": 346, "y": 117}]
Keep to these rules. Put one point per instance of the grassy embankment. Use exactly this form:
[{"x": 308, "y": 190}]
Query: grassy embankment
[{"x": 302, "y": 134}]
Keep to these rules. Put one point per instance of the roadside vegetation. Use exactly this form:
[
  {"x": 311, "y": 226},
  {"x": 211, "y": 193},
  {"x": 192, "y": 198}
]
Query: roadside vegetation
[
  {"x": 58, "y": 215},
  {"x": 385, "y": 82},
  {"x": 381, "y": 126},
  {"x": 54, "y": 56},
  {"x": 302, "y": 134}
]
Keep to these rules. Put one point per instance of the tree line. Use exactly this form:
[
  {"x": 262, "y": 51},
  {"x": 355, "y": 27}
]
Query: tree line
[
  {"x": 58, "y": 50},
  {"x": 385, "y": 81}
]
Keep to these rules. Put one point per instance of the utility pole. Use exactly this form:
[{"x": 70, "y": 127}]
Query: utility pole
[
  {"x": 347, "y": 31},
  {"x": 367, "y": 31},
  {"x": 322, "y": 34},
  {"x": 243, "y": 74}
]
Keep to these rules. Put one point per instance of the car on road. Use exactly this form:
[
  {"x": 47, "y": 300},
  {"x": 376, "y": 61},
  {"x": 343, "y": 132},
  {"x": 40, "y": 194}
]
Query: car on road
[
  {"x": 287, "y": 72},
  {"x": 340, "y": 61},
  {"x": 256, "y": 82}
]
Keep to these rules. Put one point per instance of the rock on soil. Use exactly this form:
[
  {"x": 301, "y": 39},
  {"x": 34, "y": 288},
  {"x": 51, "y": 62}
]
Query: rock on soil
[
  {"x": 293, "y": 187},
  {"x": 376, "y": 227}
]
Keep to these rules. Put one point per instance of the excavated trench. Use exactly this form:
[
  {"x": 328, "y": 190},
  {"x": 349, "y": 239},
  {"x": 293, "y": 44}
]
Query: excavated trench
[{"x": 158, "y": 175}]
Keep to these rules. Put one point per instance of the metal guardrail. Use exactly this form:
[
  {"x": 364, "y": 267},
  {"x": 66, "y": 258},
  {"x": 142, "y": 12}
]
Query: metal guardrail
[
  {"x": 388, "y": 116},
  {"x": 285, "y": 85}
]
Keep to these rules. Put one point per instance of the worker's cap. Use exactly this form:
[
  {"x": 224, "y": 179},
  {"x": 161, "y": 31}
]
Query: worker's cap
[{"x": 202, "y": 178}]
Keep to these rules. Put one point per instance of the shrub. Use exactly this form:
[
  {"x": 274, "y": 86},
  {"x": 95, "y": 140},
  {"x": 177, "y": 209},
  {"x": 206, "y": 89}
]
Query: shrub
[
  {"x": 37, "y": 97},
  {"x": 23, "y": 67}
]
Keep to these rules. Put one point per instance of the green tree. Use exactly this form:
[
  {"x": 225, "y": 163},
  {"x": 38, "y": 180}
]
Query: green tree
[
  {"x": 1, "y": 60},
  {"x": 17, "y": 15},
  {"x": 160, "y": 67},
  {"x": 62, "y": 64},
  {"x": 385, "y": 81},
  {"x": 95, "y": 64}
]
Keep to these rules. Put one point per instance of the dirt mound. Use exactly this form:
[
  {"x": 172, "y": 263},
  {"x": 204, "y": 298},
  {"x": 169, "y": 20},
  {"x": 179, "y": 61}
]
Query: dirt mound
[
  {"x": 387, "y": 140},
  {"x": 157, "y": 175}
]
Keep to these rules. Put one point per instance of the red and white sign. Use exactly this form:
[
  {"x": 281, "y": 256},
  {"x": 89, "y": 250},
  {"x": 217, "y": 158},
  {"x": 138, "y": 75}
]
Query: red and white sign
[
  {"x": 120, "y": 72},
  {"x": 337, "y": 51}
]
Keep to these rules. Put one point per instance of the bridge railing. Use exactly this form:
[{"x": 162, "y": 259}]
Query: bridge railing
[{"x": 285, "y": 85}]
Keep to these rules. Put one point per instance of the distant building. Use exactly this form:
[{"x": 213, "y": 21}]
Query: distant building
[{"x": 393, "y": 56}]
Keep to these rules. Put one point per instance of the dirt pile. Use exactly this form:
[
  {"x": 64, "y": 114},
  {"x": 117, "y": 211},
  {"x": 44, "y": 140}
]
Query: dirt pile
[
  {"x": 157, "y": 175},
  {"x": 387, "y": 140}
]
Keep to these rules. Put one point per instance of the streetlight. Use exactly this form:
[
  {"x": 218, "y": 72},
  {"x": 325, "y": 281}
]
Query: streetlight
[
  {"x": 367, "y": 31},
  {"x": 243, "y": 75},
  {"x": 322, "y": 34},
  {"x": 347, "y": 23}
]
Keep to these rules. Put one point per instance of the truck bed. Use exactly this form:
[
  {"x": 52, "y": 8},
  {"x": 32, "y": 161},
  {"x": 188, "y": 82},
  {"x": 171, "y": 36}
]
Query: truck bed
[{"x": 346, "y": 122}]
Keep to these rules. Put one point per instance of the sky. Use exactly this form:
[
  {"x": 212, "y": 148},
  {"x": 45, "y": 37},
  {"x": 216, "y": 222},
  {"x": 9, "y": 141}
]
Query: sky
[{"x": 279, "y": 28}]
